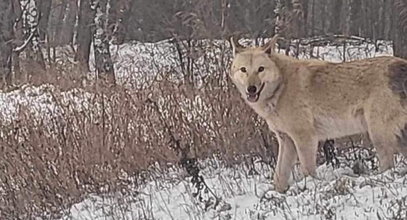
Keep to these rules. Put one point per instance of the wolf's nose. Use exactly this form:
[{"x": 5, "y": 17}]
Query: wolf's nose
[{"x": 251, "y": 89}]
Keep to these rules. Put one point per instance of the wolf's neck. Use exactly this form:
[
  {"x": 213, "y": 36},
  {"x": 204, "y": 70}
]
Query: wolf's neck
[
  {"x": 282, "y": 61},
  {"x": 277, "y": 90}
]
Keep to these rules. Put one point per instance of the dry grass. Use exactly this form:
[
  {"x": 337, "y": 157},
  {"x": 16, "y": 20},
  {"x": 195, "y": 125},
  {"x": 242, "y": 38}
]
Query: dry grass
[{"x": 105, "y": 143}]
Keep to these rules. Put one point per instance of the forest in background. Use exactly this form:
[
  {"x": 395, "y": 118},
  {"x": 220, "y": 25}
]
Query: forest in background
[
  {"x": 73, "y": 141},
  {"x": 30, "y": 27}
]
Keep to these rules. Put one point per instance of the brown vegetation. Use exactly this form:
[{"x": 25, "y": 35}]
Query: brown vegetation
[{"x": 111, "y": 137}]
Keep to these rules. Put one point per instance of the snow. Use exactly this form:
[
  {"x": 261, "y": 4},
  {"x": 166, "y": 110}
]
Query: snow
[
  {"x": 241, "y": 193},
  {"x": 337, "y": 195},
  {"x": 40, "y": 100}
]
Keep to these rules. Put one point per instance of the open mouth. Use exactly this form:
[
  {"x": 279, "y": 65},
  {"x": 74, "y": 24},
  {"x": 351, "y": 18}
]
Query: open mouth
[{"x": 253, "y": 97}]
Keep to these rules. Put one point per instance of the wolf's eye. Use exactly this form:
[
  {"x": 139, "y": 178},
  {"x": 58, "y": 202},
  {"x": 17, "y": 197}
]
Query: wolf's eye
[
  {"x": 261, "y": 69},
  {"x": 243, "y": 69}
]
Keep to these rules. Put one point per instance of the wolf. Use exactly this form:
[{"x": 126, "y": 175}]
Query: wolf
[{"x": 306, "y": 101}]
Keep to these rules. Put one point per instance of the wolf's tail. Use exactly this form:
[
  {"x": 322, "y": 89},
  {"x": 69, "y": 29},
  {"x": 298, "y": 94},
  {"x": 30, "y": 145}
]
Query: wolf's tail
[{"x": 398, "y": 80}]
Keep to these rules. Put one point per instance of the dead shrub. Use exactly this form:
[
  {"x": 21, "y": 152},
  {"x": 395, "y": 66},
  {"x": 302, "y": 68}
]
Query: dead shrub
[{"x": 105, "y": 141}]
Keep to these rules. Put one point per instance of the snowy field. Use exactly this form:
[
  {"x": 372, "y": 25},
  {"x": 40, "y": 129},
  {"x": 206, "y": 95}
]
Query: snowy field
[
  {"x": 339, "y": 194},
  {"x": 238, "y": 192}
]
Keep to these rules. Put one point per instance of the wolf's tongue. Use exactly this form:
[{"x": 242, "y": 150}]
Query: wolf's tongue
[{"x": 252, "y": 98}]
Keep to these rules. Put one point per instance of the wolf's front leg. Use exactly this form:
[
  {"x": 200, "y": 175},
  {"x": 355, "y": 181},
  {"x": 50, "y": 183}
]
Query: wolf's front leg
[{"x": 287, "y": 157}]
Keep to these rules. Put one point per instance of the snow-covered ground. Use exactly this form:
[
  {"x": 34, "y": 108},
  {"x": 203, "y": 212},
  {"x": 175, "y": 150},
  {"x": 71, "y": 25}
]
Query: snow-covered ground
[
  {"x": 237, "y": 192},
  {"x": 244, "y": 194}
]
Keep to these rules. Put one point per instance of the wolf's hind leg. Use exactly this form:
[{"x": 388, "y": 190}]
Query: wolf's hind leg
[
  {"x": 385, "y": 142},
  {"x": 307, "y": 146}
]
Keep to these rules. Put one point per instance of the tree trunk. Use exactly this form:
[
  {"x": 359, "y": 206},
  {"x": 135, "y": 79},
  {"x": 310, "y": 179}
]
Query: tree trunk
[
  {"x": 56, "y": 22},
  {"x": 335, "y": 21},
  {"x": 18, "y": 40},
  {"x": 381, "y": 21},
  {"x": 388, "y": 26},
  {"x": 297, "y": 18},
  {"x": 68, "y": 27},
  {"x": 118, "y": 19},
  {"x": 84, "y": 34},
  {"x": 44, "y": 9},
  {"x": 103, "y": 59},
  {"x": 355, "y": 15},
  {"x": 305, "y": 21},
  {"x": 400, "y": 38},
  {"x": 312, "y": 17},
  {"x": 126, "y": 20},
  {"x": 324, "y": 19},
  {"x": 6, "y": 36},
  {"x": 35, "y": 56}
]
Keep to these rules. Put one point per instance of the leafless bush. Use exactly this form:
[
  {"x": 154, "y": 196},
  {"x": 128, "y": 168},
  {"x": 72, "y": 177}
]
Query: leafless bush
[{"x": 105, "y": 141}]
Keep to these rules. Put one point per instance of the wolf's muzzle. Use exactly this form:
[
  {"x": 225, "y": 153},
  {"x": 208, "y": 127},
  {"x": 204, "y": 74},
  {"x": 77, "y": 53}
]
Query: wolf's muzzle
[{"x": 253, "y": 93}]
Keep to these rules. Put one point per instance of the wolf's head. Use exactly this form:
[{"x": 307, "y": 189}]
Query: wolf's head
[{"x": 253, "y": 72}]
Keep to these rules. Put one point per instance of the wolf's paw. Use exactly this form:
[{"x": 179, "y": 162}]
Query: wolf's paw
[
  {"x": 264, "y": 189},
  {"x": 271, "y": 195},
  {"x": 308, "y": 183}
]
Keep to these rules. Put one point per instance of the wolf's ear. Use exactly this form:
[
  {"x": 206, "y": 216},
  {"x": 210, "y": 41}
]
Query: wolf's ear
[
  {"x": 271, "y": 45},
  {"x": 236, "y": 47}
]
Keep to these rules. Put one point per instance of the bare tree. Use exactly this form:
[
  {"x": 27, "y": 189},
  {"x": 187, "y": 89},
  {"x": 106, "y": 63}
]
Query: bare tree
[
  {"x": 84, "y": 34},
  {"x": 254, "y": 18},
  {"x": 118, "y": 19},
  {"x": 56, "y": 21},
  {"x": 291, "y": 19},
  {"x": 400, "y": 38},
  {"x": 103, "y": 59},
  {"x": 6, "y": 36},
  {"x": 355, "y": 17},
  {"x": 298, "y": 18},
  {"x": 335, "y": 16},
  {"x": 30, "y": 18},
  {"x": 44, "y": 7},
  {"x": 68, "y": 27},
  {"x": 18, "y": 39}
]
